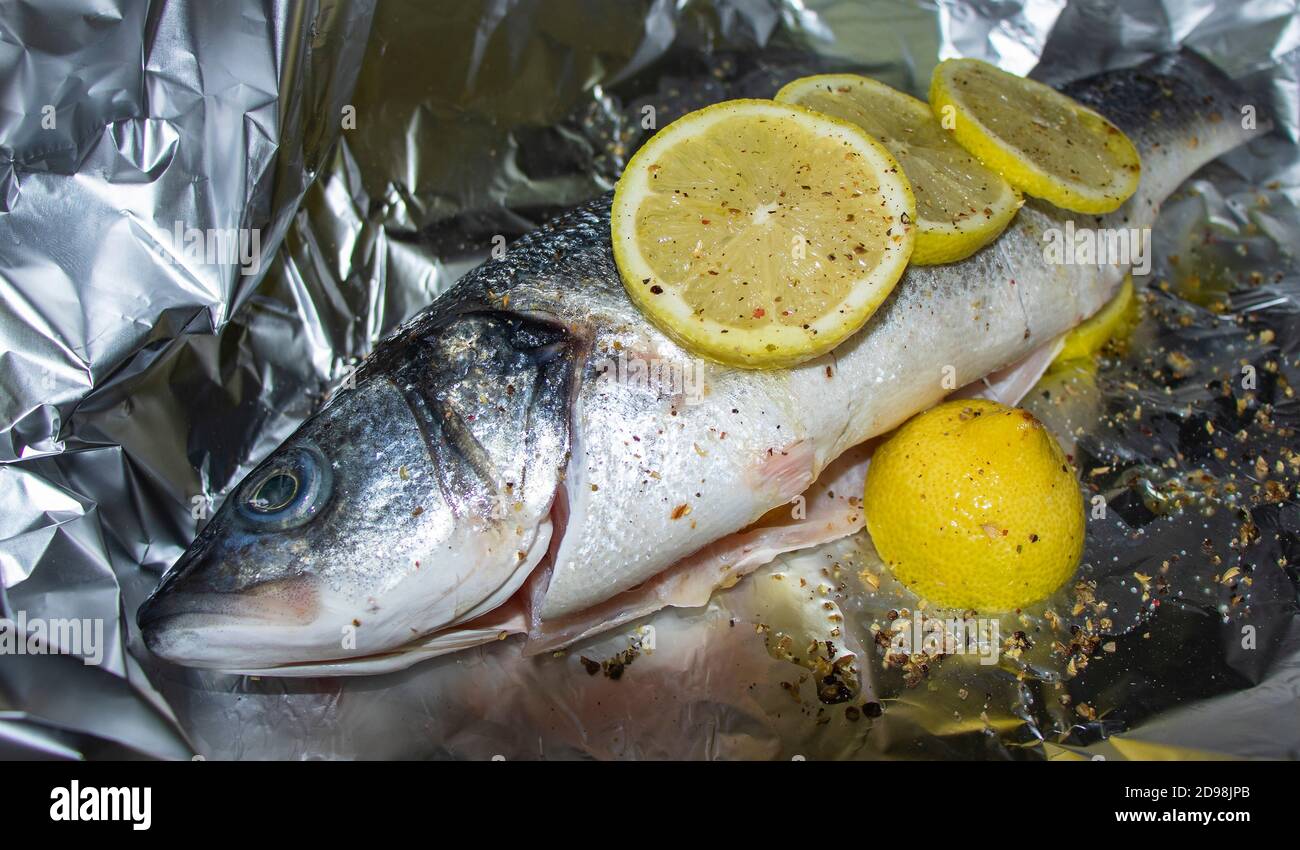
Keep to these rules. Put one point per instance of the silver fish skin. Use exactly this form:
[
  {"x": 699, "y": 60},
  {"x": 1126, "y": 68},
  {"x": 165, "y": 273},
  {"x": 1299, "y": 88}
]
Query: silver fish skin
[{"x": 503, "y": 456}]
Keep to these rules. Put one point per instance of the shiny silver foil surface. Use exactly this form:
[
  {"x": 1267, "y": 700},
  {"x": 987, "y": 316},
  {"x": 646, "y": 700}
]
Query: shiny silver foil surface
[{"x": 358, "y": 157}]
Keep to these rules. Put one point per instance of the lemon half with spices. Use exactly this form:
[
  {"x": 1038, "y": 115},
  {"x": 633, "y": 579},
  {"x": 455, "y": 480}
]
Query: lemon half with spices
[{"x": 973, "y": 505}]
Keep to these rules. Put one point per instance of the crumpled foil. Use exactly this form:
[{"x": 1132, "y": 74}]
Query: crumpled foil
[{"x": 378, "y": 153}]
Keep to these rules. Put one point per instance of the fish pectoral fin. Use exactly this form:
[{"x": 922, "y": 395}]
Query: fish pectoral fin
[
  {"x": 1011, "y": 384},
  {"x": 830, "y": 509},
  {"x": 787, "y": 471}
]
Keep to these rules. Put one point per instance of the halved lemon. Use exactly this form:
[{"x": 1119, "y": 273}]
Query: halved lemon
[
  {"x": 760, "y": 234},
  {"x": 973, "y": 504},
  {"x": 961, "y": 205},
  {"x": 1046, "y": 144}
]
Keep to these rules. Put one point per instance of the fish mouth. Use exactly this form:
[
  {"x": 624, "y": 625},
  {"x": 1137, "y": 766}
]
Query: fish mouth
[
  {"x": 381, "y": 661},
  {"x": 258, "y": 626},
  {"x": 278, "y": 628}
]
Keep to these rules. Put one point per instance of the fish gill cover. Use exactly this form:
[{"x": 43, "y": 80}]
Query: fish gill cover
[{"x": 196, "y": 249}]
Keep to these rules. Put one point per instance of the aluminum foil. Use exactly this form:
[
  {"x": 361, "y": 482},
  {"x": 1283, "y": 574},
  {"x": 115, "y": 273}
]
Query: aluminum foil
[{"x": 377, "y": 154}]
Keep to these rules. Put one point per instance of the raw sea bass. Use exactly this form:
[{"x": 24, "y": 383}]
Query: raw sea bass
[{"x": 503, "y": 466}]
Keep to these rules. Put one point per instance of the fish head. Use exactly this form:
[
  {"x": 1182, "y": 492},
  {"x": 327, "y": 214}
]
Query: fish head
[
  {"x": 305, "y": 545},
  {"x": 400, "y": 509}
]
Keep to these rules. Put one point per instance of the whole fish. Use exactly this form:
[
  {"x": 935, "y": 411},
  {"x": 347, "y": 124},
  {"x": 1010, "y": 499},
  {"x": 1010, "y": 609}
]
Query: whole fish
[{"x": 530, "y": 456}]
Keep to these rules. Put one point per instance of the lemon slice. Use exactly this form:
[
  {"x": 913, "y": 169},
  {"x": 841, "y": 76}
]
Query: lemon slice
[
  {"x": 1115, "y": 319},
  {"x": 961, "y": 205},
  {"x": 1045, "y": 143},
  {"x": 760, "y": 234}
]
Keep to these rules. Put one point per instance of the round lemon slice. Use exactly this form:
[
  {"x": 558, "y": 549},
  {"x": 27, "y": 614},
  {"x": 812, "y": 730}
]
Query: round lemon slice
[
  {"x": 760, "y": 234},
  {"x": 961, "y": 205},
  {"x": 1045, "y": 143}
]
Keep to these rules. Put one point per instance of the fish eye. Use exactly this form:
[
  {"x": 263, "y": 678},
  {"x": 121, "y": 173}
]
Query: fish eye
[
  {"x": 289, "y": 491},
  {"x": 275, "y": 492}
]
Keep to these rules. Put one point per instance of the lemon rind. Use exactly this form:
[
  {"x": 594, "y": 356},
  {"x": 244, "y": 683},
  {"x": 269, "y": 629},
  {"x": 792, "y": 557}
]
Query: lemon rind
[
  {"x": 942, "y": 573},
  {"x": 1111, "y": 318}
]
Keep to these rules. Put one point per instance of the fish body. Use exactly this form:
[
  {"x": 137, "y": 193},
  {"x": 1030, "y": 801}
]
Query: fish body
[{"x": 530, "y": 455}]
